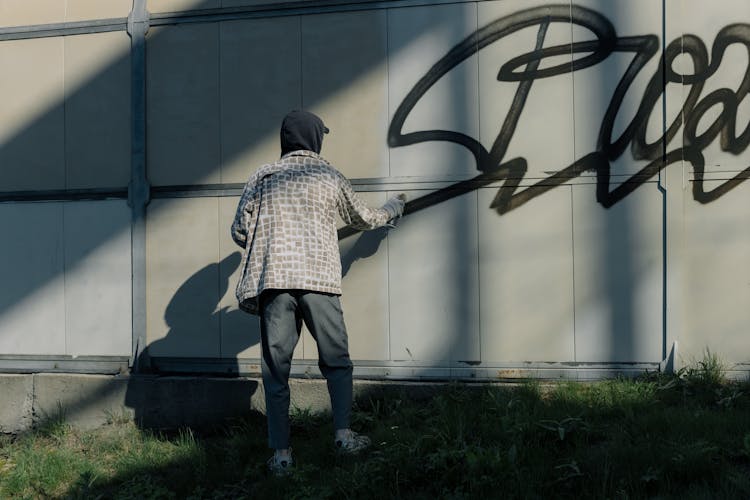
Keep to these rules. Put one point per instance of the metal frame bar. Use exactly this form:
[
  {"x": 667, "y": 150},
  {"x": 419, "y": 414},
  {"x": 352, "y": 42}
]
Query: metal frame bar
[
  {"x": 63, "y": 29},
  {"x": 393, "y": 370},
  {"x": 372, "y": 370},
  {"x": 360, "y": 185},
  {"x": 291, "y": 9},
  {"x": 139, "y": 189},
  {"x": 235, "y": 189},
  {"x": 65, "y": 195},
  {"x": 213, "y": 15}
]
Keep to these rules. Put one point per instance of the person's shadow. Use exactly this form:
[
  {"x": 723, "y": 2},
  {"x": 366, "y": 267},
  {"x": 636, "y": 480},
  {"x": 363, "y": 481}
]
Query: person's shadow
[
  {"x": 362, "y": 246},
  {"x": 161, "y": 401}
]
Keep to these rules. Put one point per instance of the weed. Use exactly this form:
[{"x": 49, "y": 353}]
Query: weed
[
  {"x": 54, "y": 424},
  {"x": 707, "y": 371},
  {"x": 306, "y": 421},
  {"x": 564, "y": 427},
  {"x": 118, "y": 417}
]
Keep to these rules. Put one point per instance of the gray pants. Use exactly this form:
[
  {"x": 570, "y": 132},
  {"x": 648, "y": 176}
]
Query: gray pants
[{"x": 281, "y": 316}]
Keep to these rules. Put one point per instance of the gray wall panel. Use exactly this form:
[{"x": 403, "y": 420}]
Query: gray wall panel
[
  {"x": 183, "y": 283},
  {"x": 526, "y": 280},
  {"x": 97, "y": 278},
  {"x": 97, "y": 110},
  {"x": 618, "y": 276},
  {"x": 434, "y": 284},
  {"x": 32, "y": 132},
  {"x": 23, "y": 12},
  {"x": 353, "y": 97},
  {"x": 161, "y": 6},
  {"x": 717, "y": 277},
  {"x": 30, "y": 12},
  {"x": 260, "y": 83},
  {"x": 183, "y": 104},
  {"x": 33, "y": 258}
]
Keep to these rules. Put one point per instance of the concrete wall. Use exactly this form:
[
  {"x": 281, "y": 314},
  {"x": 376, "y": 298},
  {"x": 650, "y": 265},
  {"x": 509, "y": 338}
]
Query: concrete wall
[
  {"x": 574, "y": 210},
  {"x": 87, "y": 401}
]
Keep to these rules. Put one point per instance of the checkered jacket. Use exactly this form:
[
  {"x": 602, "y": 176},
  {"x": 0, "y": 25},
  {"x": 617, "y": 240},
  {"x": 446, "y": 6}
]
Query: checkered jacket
[{"x": 286, "y": 222}]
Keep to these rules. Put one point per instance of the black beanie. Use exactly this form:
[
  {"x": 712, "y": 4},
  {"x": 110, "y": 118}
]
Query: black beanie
[{"x": 302, "y": 130}]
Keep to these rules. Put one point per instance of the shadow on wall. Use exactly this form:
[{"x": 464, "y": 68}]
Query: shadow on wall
[
  {"x": 182, "y": 69},
  {"x": 162, "y": 402},
  {"x": 183, "y": 313},
  {"x": 178, "y": 401},
  {"x": 366, "y": 245}
]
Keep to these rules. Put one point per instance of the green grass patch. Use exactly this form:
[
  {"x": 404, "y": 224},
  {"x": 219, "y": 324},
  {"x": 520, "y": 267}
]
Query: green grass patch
[{"x": 658, "y": 436}]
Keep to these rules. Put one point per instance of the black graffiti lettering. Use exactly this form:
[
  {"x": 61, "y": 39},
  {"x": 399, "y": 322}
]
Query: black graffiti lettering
[
  {"x": 726, "y": 123},
  {"x": 500, "y": 146},
  {"x": 696, "y": 49},
  {"x": 599, "y": 49},
  {"x": 699, "y": 193},
  {"x": 644, "y": 48},
  {"x": 728, "y": 100},
  {"x": 541, "y": 16},
  {"x": 526, "y": 68}
]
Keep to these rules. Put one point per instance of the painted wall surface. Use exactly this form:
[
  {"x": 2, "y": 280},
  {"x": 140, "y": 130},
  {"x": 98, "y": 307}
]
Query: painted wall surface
[{"x": 576, "y": 174}]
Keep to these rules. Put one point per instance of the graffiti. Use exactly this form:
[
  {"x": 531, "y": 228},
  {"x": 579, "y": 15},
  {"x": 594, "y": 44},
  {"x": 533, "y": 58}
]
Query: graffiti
[{"x": 525, "y": 69}]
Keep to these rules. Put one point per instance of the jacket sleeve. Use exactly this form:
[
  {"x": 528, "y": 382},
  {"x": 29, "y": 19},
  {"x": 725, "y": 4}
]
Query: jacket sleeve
[
  {"x": 354, "y": 212},
  {"x": 244, "y": 215}
]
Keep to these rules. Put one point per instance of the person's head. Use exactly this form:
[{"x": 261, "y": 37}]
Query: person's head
[{"x": 302, "y": 130}]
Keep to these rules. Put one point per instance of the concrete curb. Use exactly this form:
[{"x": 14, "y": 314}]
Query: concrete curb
[
  {"x": 16, "y": 402},
  {"x": 159, "y": 402}
]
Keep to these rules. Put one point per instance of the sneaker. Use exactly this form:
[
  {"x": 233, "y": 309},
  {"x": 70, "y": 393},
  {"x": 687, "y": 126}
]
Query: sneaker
[
  {"x": 352, "y": 444},
  {"x": 280, "y": 466}
]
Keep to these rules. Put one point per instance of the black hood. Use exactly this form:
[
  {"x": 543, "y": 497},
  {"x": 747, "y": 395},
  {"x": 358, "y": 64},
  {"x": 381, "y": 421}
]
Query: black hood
[{"x": 302, "y": 130}]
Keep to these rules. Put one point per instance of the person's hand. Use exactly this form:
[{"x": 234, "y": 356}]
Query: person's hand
[{"x": 395, "y": 206}]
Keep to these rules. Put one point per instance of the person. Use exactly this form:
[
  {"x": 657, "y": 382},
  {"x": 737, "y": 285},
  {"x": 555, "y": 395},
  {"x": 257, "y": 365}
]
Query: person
[{"x": 291, "y": 272}]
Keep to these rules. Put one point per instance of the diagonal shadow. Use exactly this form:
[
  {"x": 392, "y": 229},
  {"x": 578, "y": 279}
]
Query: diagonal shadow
[{"x": 35, "y": 173}]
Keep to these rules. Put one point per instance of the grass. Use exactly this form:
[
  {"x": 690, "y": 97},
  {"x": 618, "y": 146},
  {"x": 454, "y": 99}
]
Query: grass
[{"x": 657, "y": 436}]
